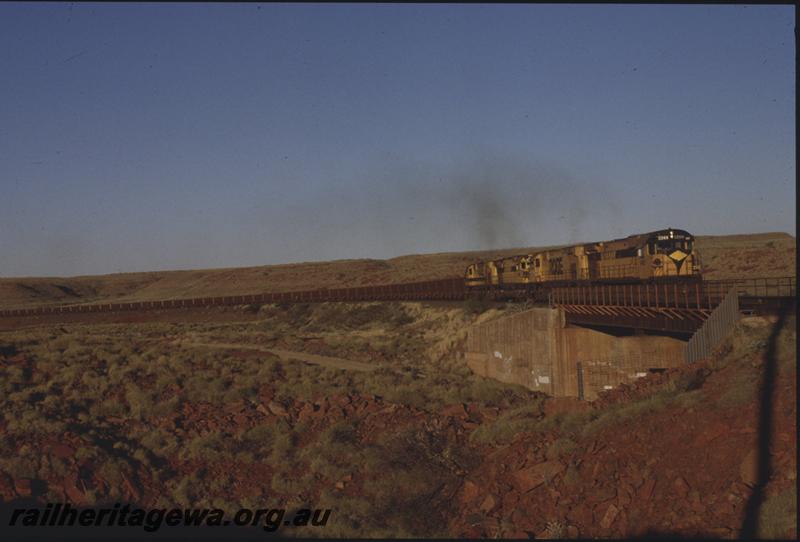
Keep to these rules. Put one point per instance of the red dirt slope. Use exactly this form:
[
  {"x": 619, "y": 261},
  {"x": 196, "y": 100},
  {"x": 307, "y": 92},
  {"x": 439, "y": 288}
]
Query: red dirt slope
[{"x": 686, "y": 468}]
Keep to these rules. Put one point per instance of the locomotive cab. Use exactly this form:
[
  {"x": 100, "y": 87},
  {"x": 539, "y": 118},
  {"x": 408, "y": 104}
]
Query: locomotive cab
[
  {"x": 671, "y": 252},
  {"x": 475, "y": 274}
]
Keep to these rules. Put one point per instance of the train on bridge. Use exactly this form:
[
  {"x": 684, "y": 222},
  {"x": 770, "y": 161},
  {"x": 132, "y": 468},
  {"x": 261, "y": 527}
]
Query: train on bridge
[
  {"x": 636, "y": 258},
  {"x": 653, "y": 271}
]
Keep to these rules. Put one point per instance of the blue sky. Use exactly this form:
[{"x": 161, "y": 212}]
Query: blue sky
[{"x": 154, "y": 136}]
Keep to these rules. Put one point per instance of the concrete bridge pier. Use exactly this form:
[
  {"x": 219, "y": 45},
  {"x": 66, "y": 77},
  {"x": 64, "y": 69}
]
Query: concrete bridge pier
[{"x": 539, "y": 350}]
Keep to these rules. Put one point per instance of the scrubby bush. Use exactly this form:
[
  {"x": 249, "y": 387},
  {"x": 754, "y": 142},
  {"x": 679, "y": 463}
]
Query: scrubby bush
[
  {"x": 560, "y": 448},
  {"x": 402, "y": 491},
  {"x": 477, "y": 304},
  {"x": 206, "y": 447},
  {"x": 259, "y": 438},
  {"x": 140, "y": 401},
  {"x": 160, "y": 443},
  {"x": 186, "y": 491},
  {"x": 777, "y": 518},
  {"x": 522, "y": 419}
]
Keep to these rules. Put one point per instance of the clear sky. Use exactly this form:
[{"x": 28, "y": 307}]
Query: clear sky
[{"x": 140, "y": 137}]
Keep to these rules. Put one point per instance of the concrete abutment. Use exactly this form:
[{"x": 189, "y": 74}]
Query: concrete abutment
[{"x": 537, "y": 349}]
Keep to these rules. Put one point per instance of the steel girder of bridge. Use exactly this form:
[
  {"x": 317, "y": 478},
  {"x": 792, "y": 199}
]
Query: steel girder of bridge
[
  {"x": 675, "y": 306},
  {"x": 672, "y": 320}
]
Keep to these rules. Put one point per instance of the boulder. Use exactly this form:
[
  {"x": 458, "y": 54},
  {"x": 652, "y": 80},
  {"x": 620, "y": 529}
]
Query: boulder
[
  {"x": 680, "y": 486},
  {"x": 7, "y": 492},
  {"x": 601, "y": 494},
  {"x": 23, "y": 487},
  {"x": 580, "y": 515},
  {"x": 510, "y": 499},
  {"x": 306, "y": 412},
  {"x": 73, "y": 489},
  {"x": 63, "y": 451},
  {"x": 646, "y": 491},
  {"x": 277, "y": 409},
  {"x": 532, "y": 477},
  {"x": 488, "y": 503},
  {"x": 133, "y": 491},
  {"x": 748, "y": 468},
  {"x": 266, "y": 393},
  {"x": 456, "y": 411},
  {"x": 609, "y": 516},
  {"x": 234, "y": 407},
  {"x": 469, "y": 491}
]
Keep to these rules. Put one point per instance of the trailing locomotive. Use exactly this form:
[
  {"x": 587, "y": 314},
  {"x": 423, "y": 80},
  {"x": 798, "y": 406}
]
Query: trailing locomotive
[{"x": 654, "y": 255}]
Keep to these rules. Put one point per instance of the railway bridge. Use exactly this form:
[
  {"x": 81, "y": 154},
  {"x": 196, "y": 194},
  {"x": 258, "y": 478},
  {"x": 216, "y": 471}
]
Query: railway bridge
[
  {"x": 678, "y": 306},
  {"x": 575, "y": 343},
  {"x": 542, "y": 348}
]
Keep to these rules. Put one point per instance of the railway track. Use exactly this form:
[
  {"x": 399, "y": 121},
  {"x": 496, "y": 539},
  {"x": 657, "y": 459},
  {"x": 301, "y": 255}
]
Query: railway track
[
  {"x": 676, "y": 294},
  {"x": 432, "y": 290}
]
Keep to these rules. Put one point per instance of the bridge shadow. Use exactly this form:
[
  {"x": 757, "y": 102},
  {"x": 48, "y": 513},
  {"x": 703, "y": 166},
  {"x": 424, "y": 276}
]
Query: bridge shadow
[{"x": 765, "y": 428}]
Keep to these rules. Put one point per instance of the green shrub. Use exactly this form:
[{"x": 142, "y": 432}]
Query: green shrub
[
  {"x": 777, "y": 518},
  {"x": 561, "y": 448},
  {"x": 404, "y": 487},
  {"x": 205, "y": 447},
  {"x": 351, "y": 518},
  {"x": 742, "y": 388},
  {"x": 260, "y": 438},
  {"x": 335, "y": 452},
  {"x": 571, "y": 476},
  {"x": 159, "y": 442},
  {"x": 20, "y": 467},
  {"x": 140, "y": 401},
  {"x": 477, "y": 304},
  {"x": 283, "y": 443},
  {"x": 107, "y": 408},
  {"x": 522, "y": 419}
]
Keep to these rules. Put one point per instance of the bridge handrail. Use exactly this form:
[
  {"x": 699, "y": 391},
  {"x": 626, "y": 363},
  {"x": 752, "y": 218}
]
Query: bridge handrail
[{"x": 760, "y": 286}]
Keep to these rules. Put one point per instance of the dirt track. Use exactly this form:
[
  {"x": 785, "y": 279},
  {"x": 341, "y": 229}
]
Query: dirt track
[{"x": 289, "y": 355}]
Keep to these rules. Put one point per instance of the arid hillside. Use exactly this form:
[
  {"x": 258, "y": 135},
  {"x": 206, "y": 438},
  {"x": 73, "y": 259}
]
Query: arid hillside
[
  {"x": 729, "y": 256},
  {"x": 233, "y": 281},
  {"x": 368, "y": 409},
  {"x": 757, "y": 255}
]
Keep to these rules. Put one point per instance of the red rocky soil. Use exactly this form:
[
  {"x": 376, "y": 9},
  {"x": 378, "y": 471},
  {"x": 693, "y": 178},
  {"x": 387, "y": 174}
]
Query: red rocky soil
[{"x": 686, "y": 469}]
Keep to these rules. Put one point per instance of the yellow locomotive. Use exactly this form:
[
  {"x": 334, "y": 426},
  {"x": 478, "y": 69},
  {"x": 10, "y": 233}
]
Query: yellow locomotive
[{"x": 662, "y": 253}]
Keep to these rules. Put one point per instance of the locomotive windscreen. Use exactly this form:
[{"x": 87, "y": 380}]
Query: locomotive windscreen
[{"x": 669, "y": 241}]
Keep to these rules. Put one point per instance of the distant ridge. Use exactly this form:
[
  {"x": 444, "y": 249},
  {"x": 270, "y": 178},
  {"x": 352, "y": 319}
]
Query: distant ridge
[{"x": 722, "y": 256}]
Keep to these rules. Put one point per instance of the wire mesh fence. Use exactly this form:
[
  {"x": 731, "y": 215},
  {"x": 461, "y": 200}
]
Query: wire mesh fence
[
  {"x": 598, "y": 375},
  {"x": 717, "y": 326}
]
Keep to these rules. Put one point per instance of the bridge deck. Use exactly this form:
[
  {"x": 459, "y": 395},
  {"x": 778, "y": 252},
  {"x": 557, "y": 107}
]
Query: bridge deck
[
  {"x": 679, "y": 306},
  {"x": 676, "y": 306}
]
